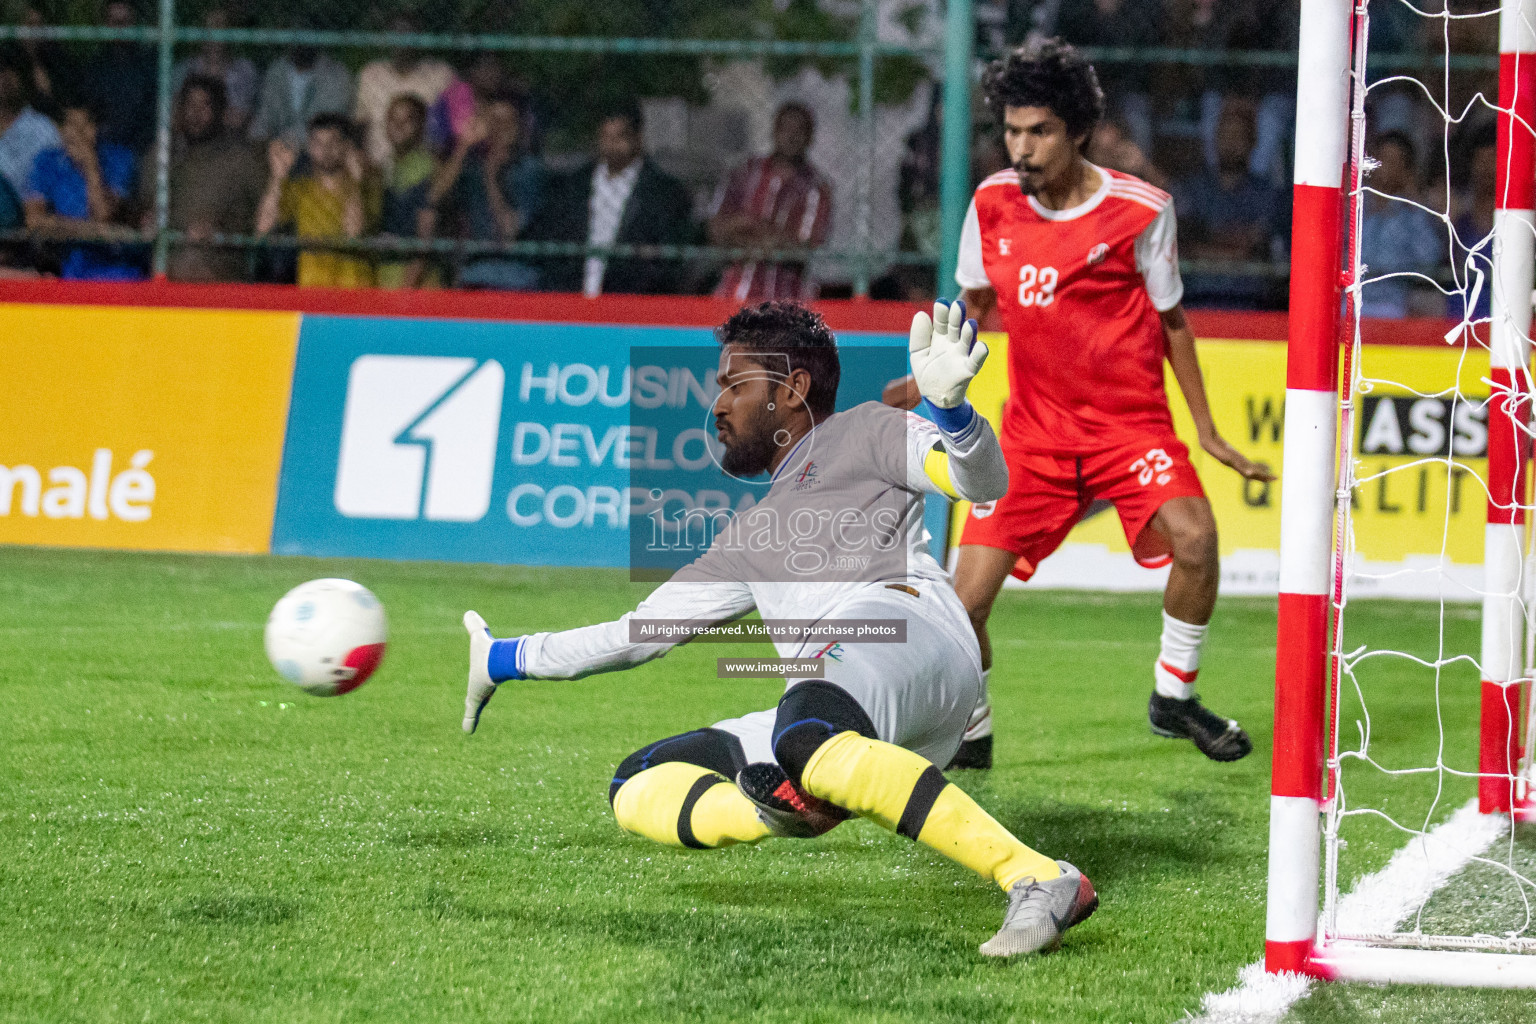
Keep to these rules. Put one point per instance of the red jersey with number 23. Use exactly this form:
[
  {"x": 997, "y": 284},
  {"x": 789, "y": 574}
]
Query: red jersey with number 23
[{"x": 1079, "y": 291}]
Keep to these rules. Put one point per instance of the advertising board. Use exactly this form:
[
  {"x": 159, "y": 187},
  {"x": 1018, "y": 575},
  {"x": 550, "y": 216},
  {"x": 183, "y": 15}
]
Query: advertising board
[
  {"x": 523, "y": 443},
  {"x": 150, "y": 429}
]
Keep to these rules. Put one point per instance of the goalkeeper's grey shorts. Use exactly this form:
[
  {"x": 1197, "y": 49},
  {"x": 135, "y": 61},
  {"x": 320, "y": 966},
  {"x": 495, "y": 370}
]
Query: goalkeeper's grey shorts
[{"x": 919, "y": 694}]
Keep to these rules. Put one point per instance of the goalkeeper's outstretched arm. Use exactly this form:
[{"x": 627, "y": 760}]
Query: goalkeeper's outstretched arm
[
  {"x": 686, "y": 608},
  {"x": 573, "y": 653}
]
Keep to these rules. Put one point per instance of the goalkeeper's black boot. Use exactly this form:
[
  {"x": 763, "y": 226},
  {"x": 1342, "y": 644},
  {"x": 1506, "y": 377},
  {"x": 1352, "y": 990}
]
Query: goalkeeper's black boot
[
  {"x": 783, "y": 806},
  {"x": 976, "y": 754},
  {"x": 1220, "y": 739}
]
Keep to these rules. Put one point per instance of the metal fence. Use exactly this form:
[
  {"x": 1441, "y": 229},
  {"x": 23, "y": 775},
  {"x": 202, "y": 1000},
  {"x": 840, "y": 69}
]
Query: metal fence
[
  {"x": 948, "y": 54},
  {"x": 861, "y": 54}
]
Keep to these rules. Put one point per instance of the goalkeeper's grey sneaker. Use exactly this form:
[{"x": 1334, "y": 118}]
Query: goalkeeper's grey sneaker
[
  {"x": 784, "y": 807},
  {"x": 1220, "y": 739},
  {"x": 481, "y": 689},
  {"x": 1039, "y": 912}
]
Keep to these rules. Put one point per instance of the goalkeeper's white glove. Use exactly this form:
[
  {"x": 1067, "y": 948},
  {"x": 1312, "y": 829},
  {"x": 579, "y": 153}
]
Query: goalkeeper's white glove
[
  {"x": 486, "y": 663},
  {"x": 945, "y": 354}
]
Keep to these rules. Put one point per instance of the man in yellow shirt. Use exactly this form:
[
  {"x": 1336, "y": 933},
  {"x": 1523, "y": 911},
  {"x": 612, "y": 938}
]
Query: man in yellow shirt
[{"x": 330, "y": 200}]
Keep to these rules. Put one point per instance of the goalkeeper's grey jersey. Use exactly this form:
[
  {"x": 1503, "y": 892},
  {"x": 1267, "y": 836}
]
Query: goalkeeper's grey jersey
[{"x": 843, "y": 513}]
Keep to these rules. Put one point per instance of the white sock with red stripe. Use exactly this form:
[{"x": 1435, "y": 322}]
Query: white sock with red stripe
[
  {"x": 1178, "y": 663},
  {"x": 981, "y": 718}
]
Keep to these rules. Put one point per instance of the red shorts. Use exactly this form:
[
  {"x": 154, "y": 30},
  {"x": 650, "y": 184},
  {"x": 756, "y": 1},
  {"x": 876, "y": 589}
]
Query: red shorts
[{"x": 1049, "y": 494}]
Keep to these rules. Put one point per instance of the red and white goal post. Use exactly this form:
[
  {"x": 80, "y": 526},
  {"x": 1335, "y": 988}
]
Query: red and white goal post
[{"x": 1315, "y": 503}]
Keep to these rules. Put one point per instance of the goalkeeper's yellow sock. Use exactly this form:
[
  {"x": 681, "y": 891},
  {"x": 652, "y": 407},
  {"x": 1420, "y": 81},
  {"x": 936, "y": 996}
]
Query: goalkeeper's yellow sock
[
  {"x": 905, "y": 793},
  {"x": 683, "y": 804}
]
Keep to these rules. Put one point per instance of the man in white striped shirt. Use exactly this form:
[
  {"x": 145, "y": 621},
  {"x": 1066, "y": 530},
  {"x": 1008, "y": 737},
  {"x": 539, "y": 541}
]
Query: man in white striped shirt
[{"x": 779, "y": 201}]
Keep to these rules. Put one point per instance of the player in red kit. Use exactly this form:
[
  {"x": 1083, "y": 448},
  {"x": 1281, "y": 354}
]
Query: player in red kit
[{"x": 1082, "y": 265}]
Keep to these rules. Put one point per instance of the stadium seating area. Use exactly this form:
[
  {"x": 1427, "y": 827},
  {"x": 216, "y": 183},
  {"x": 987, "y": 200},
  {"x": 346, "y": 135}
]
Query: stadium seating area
[{"x": 487, "y": 149}]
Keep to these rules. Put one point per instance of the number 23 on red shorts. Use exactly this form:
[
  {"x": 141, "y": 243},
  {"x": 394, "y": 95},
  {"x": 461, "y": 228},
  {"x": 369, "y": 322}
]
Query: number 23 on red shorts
[{"x": 1048, "y": 494}]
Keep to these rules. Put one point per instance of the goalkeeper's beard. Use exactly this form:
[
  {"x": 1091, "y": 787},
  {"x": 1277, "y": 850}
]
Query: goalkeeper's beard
[{"x": 751, "y": 450}]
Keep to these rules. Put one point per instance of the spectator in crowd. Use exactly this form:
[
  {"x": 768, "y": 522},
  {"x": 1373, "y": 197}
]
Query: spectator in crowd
[
  {"x": 43, "y": 65},
  {"x": 215, "y": 184},
  {"x": 404, "y": 73},
  {"x": 406, "y": 210},
  {"x": 1254, "y": 25},
  {"x": 325, "y": 202},
  {"x": 1397, "y": 237},
  {"x": 120, "y": 82},
  {"x": 298, "y": 87},
  {"x": 76, "y": 191},
  {"x": 1110, "y": 145},
  {"x": 1468, "y": 30},
  {"x": 1474, "y": 228},
  {"x": 1195, "y": 93},
  {"x": 621, "y": 198},
  {"x": 213, "y": 60},
  {"x": 1229, "y": 214},
  {"x": 24, "y": 133},
  {"x": 449, "y": 115},
  {"x": 777, "y": 201},
  {"x": 493, "y": 187},
  {"x": 1177, "y": 86},
  {"x": 1119, "y": 23}
]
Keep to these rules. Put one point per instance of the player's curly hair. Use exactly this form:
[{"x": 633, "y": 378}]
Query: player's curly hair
[
  {"x": 801, "y": 335},
  {"x": 1048, "y": 73}
]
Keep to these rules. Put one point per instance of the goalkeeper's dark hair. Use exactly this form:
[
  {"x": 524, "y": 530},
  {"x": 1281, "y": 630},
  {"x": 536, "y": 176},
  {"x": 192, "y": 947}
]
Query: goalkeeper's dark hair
[
  {"x": 804, "y": 339},
  {"x": 1051, "y": 74}
]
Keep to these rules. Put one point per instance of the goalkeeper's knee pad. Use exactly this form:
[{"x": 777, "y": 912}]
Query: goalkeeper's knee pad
[
  {"x": 714, "y": 749},
  {"x": 810, "y": 714}
]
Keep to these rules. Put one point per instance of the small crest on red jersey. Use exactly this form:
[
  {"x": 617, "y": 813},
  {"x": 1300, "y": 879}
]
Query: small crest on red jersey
[
  {"x": 1097, "y": 253},
  {"x": 1004, "y": 245}
]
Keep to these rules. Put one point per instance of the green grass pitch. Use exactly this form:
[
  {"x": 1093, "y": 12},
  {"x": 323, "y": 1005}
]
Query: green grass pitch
[{"x": 186, "y": 837}]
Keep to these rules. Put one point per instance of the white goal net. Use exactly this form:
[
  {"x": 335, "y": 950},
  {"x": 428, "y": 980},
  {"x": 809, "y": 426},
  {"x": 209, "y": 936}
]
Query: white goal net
[{"x": 1429, "y": 709}]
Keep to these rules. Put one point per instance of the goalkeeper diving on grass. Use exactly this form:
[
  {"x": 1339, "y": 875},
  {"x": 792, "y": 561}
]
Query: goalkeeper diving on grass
[{"x": 838, "y": 535}]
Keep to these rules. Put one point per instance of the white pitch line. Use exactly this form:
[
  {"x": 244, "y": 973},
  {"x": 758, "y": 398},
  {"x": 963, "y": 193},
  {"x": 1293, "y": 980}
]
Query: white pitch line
[{"x": 1379, "y": 903}]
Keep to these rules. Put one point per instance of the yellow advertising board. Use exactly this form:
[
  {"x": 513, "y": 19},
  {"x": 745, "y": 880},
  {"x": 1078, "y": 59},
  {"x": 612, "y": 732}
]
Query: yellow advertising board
[
  {"x": 1420, "y": 461},
  {"x": 138, "y": 428}
]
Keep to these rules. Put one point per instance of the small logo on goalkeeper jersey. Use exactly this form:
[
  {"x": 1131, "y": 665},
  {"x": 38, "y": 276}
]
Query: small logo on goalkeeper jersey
[
  {"x": 808, "y": 477},
  {"x": 1097, "y": 253},
  {"x": 833, "y": 650}
]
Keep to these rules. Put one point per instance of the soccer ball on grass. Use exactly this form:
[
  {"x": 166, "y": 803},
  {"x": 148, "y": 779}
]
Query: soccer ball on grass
[{"x": 327, "y": 636}]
